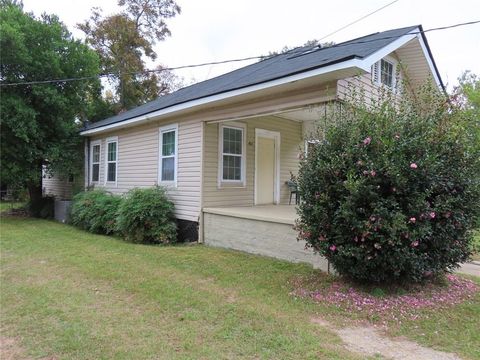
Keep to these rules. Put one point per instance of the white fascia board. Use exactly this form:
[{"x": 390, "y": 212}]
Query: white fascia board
[
  {"x": 429, "y": 60},
  {"x": 353, "y": 63},
  {"x": 394, "y": 45},
  {"x": 380, "y": 54}
]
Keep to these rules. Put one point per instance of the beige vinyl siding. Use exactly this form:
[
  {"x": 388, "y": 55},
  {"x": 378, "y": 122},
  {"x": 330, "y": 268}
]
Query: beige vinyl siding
[
  {"x": 57, "y": 186},
  {"x": 138, "y": 160},
  {"x": 359, "y": 87},
  {"x": 290, "y": 146},
  {"x": 60, "y": 187},
  {"x": 362, "y": 87}
]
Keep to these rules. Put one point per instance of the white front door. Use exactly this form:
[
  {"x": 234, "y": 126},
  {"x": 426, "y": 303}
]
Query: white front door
[{"x": 266, "y": 167}]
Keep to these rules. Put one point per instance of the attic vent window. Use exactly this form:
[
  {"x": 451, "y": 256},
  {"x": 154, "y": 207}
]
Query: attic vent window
[
  {"x": 386, "y": 73},
  {"x": 383, "y": 73}
]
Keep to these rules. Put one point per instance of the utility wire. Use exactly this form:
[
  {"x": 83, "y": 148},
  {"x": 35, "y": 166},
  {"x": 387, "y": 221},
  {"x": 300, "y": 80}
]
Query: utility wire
[
  {"x": 359, "y": 19},
  {"x": 226, "y": 61}
]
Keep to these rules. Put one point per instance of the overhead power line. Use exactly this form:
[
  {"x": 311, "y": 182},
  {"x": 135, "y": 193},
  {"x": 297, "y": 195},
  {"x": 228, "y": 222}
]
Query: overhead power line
[
  {"x": 222, "y": 61},
  {"x": 359, "y": 19}
]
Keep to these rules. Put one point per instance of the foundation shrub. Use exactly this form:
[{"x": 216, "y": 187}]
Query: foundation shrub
[
  {"x": 146, "y": 216},
  {"x": 95, "y": 211}
]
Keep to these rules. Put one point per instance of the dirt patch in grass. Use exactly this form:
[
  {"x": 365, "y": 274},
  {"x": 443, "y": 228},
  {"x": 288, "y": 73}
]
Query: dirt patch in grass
[
  {"x": 369, "y": 341},
  {"x": 10, "y": 350}
]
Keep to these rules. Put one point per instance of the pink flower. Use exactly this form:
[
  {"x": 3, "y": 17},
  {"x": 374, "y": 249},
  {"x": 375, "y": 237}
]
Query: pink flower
[
  {"x": 333, "y": 247},
  {"x": 321, "y": 238},
  {"x": 373, "y": 173},
  {"x": 377, "y": 246},
  {"x": 412, "y": 220},
  {"x": 317, "y": 195},
  {"x": 300, "y": 156},
  {"x": 359, "y": 162},
  {"x": 413, "y": 166},
  {"x": 414, "y": 243},
  {"x": 397, "y": 136},
  {"x": 432, "y": 215},
  {"x": 367, "y": 140}
]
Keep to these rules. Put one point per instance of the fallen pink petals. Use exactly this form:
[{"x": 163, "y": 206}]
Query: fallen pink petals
[{"x": 394, "y": 307}]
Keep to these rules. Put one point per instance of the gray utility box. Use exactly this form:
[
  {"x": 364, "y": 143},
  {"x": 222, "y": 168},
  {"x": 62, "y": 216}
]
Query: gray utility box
[{"x": 61, "y": 210}]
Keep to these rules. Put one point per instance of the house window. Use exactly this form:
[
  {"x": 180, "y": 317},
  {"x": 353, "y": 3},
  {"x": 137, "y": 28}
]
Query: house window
[
  {"x": 112, "y": 159},
  {"x": 95, "y": 164},
  {"x": 168, "y": 154},
  {"x": 232, "y": 146},
  {"x": 386, "y": 73},
  {"x": 383, "y": 73}
]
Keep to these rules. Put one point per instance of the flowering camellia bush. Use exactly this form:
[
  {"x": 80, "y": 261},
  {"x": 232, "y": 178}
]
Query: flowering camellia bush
[{"x": 392, "y": 192}]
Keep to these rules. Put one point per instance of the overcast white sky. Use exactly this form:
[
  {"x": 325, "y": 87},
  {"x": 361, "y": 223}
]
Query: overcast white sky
[{"x": 212, "y": 30}]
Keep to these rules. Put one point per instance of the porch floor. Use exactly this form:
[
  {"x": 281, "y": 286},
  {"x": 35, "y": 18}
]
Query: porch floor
[{"x": 282, "y": 214}]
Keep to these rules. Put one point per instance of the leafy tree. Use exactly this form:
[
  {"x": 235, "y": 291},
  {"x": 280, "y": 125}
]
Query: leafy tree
[
  {"x": 467, "y": 94},
  {"x": 124, "y": 40},
  {"x": 39, "y": 122}
]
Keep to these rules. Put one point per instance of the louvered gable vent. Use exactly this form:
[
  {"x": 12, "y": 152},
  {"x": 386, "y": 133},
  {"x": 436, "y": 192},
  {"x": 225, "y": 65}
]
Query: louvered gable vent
[{"x": 376, "y": 72}]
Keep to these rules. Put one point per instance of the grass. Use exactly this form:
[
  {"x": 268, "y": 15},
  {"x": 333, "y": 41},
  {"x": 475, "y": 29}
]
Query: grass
[
  {"x": 72, "y": 295},
  {"x": 8, "y": 205}
]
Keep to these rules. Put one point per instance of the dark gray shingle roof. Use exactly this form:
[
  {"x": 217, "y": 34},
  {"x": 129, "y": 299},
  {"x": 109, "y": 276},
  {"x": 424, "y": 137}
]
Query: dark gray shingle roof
[{"x": 293, "y": 62}]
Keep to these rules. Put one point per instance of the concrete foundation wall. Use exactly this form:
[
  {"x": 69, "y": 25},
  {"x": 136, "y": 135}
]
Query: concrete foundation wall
[{"x": 259, "y": 237}]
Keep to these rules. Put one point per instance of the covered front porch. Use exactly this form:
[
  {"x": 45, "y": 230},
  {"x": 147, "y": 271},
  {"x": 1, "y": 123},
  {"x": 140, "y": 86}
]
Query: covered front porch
[
  {"x": 248, "y": 165},
  {"x": 263, "y": 229}
]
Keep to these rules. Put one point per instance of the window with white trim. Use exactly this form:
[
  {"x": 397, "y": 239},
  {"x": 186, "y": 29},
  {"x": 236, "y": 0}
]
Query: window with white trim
[
  {"x": 232, "y": 149},
  {"x": 168, "y": 154},
  {"x": 384, "y": 73},
  {"x": 95, "y": 150},
  {"x": 112, "y": 159},
  {"x": 387, "y": 74}
]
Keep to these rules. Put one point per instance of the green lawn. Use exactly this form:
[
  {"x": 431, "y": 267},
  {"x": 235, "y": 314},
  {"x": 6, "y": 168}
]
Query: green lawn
[
  {"x": 7, "y": 205},
  {"x": 68, "y": 294}
]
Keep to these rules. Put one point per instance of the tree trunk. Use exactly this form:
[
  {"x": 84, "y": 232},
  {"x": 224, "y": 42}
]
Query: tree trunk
[{"x": 35, "y": 193}]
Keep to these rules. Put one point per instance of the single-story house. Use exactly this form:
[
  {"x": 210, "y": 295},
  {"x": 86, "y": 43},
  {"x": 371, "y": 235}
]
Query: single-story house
[{"x": 225, "y": 147}]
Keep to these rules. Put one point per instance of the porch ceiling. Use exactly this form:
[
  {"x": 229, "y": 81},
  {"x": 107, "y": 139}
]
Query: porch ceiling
[{"x": 309, "y": 113}]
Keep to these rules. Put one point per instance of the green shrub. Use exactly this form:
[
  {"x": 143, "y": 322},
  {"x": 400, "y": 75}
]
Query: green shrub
[
  {"x": 146, "y": 216},
  {"x": 42, "y": 208},
  {"x": 392, "y": 194},
  {"x": 95, "y": 211}
]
